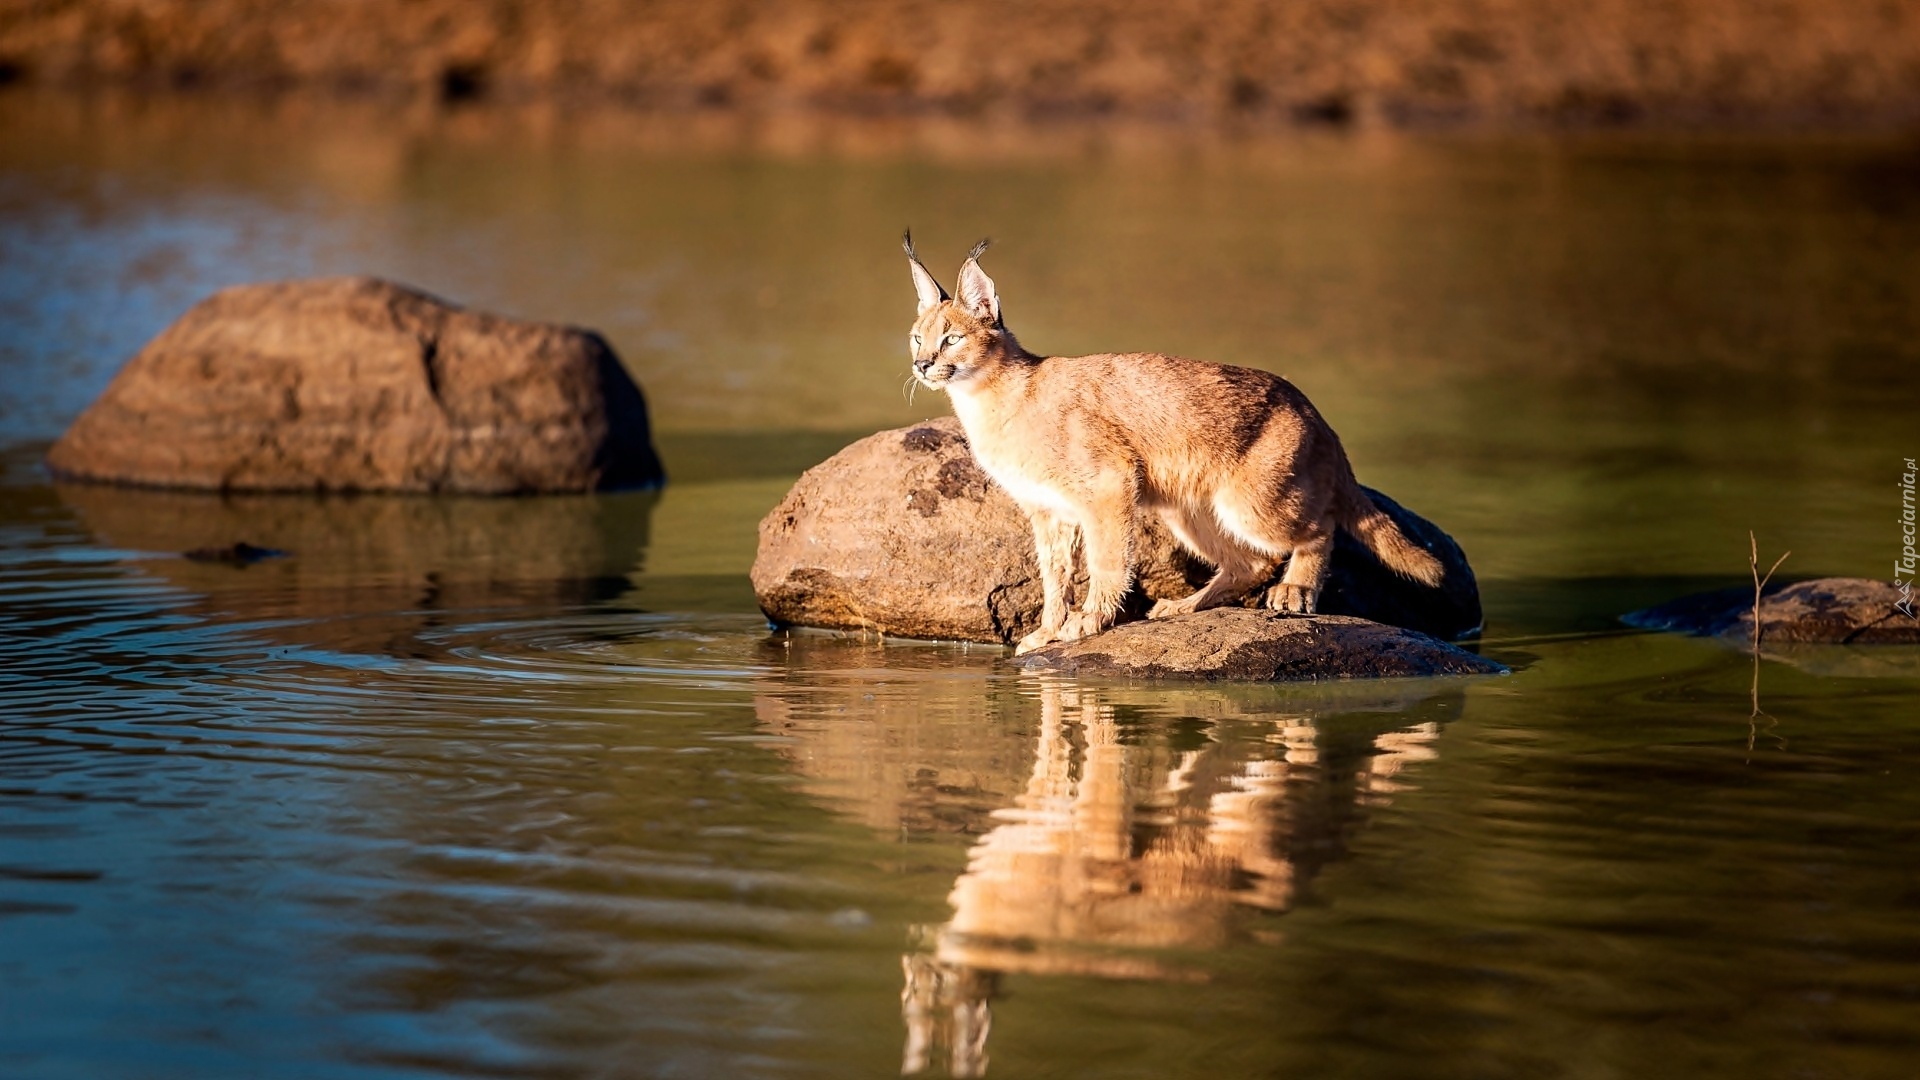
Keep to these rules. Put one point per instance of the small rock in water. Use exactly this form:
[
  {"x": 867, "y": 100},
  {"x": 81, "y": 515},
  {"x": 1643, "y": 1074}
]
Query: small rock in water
[
  {"x": 1824, "y": 611},
  {"x": 1248, "y": 645},
  {"x": 239, "y": 554}
]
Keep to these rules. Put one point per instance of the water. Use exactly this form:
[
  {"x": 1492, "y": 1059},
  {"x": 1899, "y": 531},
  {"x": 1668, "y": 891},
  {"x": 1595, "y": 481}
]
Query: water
[{"x": 527, "y": 787}]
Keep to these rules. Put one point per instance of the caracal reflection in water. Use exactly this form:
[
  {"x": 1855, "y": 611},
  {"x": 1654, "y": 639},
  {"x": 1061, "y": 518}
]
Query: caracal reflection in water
[{"x": 1121, "y": 850}]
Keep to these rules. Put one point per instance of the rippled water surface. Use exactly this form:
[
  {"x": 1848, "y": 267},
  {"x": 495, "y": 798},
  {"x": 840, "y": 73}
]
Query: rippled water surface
[{"x": 528, "y": 788}]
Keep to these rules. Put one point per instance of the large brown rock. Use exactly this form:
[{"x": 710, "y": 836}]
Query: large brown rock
[
  {"x": 355, "y": 384},
  {"x": 1826, "y": 611},
  {"x": 904, "y": 534},
  {"x": 1257, "y": 646}
]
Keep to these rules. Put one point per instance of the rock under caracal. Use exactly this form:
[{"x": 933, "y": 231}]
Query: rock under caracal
[
  {"x": 356, "y": 384},
  {"x": 1238, "y": 644},
  {"x": 904, "y": 534}
]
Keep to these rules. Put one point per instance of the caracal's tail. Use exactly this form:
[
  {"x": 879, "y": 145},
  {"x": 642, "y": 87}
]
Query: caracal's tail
[{"x": 1357, "y": 514}]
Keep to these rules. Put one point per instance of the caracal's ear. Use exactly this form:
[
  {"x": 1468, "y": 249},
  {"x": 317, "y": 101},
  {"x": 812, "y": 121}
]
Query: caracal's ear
[
  {"x": 976, "y": 290},
  {"x": 923, "y": 282}
]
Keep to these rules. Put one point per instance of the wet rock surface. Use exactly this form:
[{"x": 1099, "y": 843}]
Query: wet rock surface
[
  {"x": 1241, "y": 644},
  {"x": 1827, "y": 611},
  {"x": 904, "y": 534},
  {"x": 356, "y": 384}
]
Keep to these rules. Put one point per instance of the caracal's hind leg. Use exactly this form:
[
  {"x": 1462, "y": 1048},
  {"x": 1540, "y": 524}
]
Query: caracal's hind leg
[
  {"x": 1237, "y": 567},
  {"x": 1298, "y": 590},
  {"x": 1284, "y": 519},
  {"x": 1054, "y": 538}
]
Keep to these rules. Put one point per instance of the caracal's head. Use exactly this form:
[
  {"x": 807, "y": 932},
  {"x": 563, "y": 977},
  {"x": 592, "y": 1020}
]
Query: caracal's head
[{"x": 955, "y": 341}]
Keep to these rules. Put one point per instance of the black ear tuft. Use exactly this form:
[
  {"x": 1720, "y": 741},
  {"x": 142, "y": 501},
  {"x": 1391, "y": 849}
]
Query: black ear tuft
[
  {"x": 980, "y": 248},
  {"x": 906, "y": 241}
]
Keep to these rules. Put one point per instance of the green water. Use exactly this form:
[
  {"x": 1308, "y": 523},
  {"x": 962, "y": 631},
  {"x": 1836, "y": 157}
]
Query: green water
[{"x": 528, "y": 788}]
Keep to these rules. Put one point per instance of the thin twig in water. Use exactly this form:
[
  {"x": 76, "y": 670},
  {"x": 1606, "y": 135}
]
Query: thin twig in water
[{"x": 1759, "y": 583}]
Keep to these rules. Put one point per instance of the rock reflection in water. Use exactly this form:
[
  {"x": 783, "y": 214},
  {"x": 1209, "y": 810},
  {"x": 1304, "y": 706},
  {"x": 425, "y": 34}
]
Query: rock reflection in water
[
  {"x": 906, "y": 739},
  {"x": 1122, "y": 832},
  {"x": 386, "y": 575}
]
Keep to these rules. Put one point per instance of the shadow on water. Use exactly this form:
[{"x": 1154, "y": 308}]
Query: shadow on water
[
  {"x": 1128, "y": 833},
  {"x": 375, "y": 574}
]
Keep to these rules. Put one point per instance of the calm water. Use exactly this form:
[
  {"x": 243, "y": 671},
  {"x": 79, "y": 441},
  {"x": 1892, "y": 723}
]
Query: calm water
[{"x": 528, "y": 788}]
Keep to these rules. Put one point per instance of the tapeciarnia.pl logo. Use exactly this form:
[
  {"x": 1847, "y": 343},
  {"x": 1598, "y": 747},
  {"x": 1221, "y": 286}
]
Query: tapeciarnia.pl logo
[{"x": 1903, "y": 567}]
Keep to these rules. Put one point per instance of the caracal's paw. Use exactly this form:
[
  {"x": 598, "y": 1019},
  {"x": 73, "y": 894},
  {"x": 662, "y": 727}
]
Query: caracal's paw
[
  {"x": 1293, "y": 599},
  {"x": 1163, "y": 609},
  {"x": 1082, "y": 624},
  {"x": 1039, "y": 639}
]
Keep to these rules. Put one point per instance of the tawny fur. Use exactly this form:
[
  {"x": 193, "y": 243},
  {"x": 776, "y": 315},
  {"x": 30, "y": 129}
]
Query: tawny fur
[{"x": 1237, "y": 462}]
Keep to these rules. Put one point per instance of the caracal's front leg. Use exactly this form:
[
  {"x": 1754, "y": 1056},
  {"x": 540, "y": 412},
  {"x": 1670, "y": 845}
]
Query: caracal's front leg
[
  {"x": 1107, "y": 525},
  {"x": 1054, "y": 538}
]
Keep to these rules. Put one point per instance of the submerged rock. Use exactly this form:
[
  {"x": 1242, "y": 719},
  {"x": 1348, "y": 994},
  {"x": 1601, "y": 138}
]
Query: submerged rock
[
  {"x": 1872, "y": 661},
  {"x": 1249, "y": 645},
  {"x": 903, "y": 533},
  {"x": 238, "y": 554},
  {"x": 1826, "y": 611},
  {"x": 355, "y": 384}
]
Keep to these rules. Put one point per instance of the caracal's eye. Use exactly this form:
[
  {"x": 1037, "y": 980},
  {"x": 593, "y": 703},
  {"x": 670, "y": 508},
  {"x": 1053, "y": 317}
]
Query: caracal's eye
[
  {"x": 951, "y": 340},
  {"x": 915, "y": 341}
]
